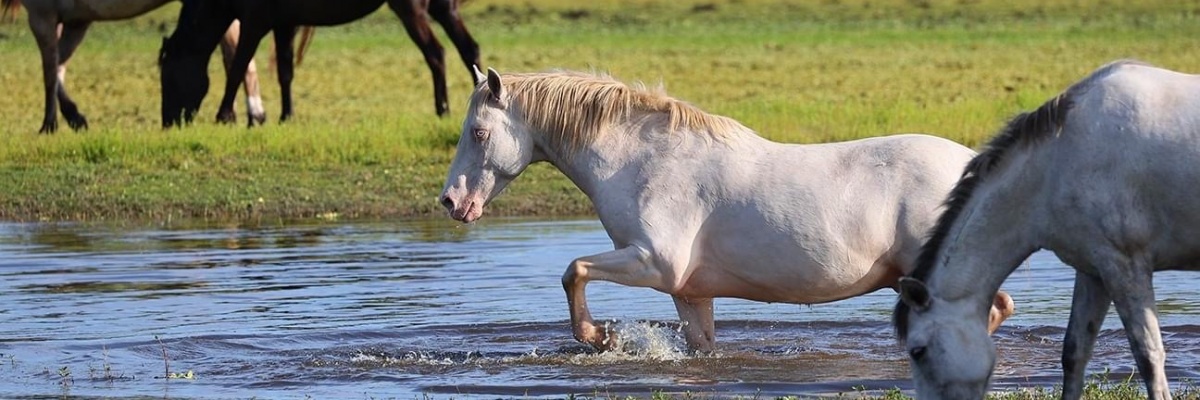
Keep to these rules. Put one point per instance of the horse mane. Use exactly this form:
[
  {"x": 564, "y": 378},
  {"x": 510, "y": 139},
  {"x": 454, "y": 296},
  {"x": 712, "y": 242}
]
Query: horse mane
[
  {"x": 573, "y": 109},
  {"x": 1024, "y": 130}
]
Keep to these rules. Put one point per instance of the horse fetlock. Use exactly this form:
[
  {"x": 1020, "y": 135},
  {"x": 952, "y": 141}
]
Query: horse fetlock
[{"x": 226, "y": 117}]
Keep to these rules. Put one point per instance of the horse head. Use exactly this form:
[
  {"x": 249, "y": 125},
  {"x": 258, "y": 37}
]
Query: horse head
[
  {"x": 950, "y": 352},
  {"x": 184, "y": 77},
  {"x": 493, "y": 149}
]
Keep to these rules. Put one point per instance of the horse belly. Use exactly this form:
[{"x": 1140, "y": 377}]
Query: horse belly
[
  {"x": 326, "y": 12},
  {"x": 107, "y": 10},
  {"x": 794, "y": 283}
]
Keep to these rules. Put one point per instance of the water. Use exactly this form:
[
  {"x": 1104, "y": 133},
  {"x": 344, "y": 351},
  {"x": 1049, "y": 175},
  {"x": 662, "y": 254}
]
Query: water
[{"x": 429, "y": 308}]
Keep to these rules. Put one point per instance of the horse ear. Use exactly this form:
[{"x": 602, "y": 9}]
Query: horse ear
[
  {"x": 914, "y": 293},
  {"x": 479, "y": 76},
  {"x": 493, "y": 80}
]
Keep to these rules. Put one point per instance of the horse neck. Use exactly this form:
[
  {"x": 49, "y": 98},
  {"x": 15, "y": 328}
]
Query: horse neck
[
  {"x": 997, "y": 230},
  {"x": 639, "y": 145}
]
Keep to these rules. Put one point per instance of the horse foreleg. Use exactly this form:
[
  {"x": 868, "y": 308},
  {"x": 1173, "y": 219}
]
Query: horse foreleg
[
  {"x": 254, "y": 104},
  {"x": 72, "y": 35},
  {"x": 628, "y": 266},
  {"x": 1089, "y": 305},
  {"x": 1132, "y": 292},
  {"x": 283, "y": 48},
  {"x": 698, "y": 327},
  {"x": 247, "y": 43},
  {"x": 45, "y": 31},
  {"x": 418, "y": 29},
  {"x": 445, "y": 12}
]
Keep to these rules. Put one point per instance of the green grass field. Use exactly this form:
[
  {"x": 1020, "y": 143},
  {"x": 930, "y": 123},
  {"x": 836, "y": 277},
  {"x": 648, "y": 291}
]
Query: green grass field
[{"x": 366, "y": 143}]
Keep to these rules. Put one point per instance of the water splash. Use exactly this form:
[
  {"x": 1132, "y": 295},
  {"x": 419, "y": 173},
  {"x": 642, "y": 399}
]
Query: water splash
[{"x": 647, "y": 340}]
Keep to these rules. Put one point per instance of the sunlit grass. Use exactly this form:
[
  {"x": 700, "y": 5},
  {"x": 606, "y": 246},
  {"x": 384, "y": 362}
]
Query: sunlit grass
[{"x": 366, "y": 143}]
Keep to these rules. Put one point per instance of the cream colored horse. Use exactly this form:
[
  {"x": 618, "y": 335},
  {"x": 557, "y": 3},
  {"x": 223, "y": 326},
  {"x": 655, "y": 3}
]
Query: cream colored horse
[
  {"x": 59, "y": 27},
  {"x": 697, "y": 205},
  {"x": 1106, "y": 175}
]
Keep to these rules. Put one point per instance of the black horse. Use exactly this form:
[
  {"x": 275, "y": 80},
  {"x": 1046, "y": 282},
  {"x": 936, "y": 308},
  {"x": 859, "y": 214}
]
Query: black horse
[{"x": 184, "y": 57}]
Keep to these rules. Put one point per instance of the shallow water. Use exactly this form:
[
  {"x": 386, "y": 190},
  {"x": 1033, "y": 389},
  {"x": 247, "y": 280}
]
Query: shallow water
[{"x": 416, "y": 308}]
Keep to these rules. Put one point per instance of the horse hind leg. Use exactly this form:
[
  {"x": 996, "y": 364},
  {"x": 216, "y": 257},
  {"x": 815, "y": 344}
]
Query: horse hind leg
[
  {"x": 412, "y": 13},
  {"x": 255, "y": 111},
  {"x": 248, "y": 40},
  {"x": 45, "y": 31},
  {"x": 72, "y": 36},
  {"x": 699, "y": 329},
  {"x": 284, "y": 36},
  {"x": 445, "y": 12},
  {"x": 1089, "y": 305}
]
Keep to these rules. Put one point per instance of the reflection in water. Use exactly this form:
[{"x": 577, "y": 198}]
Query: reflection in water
[{"x": 431, "y": 307}]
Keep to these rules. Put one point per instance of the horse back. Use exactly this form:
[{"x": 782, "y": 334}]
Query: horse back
[{"x": 1126, "y": 167}]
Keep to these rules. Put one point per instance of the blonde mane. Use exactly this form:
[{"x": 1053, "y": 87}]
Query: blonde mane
[{"x": 573, "y": 109}]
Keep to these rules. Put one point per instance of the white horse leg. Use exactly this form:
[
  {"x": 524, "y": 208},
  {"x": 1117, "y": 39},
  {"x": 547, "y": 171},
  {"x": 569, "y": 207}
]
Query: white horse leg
[
  {"x": 1132, "y": 292},
  {"x": 69, "y": 39},
  {"x": 698, "y": 327},
  {"x": 1089, "y": 305},
  {"x": 45, "y": 30},
  {"x": 628, "y": 266},
  {"x": 254, "y": 104}
]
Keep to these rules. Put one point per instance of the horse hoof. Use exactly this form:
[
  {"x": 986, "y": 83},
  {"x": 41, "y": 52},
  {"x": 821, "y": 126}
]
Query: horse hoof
[
  {"x": 258, "y": 119},
  {"x": 78, "y": 123},
  {"x": 602, "y": 339},
  {"x": 226, "y": 119},
  {"x": 48, "y": 127}
]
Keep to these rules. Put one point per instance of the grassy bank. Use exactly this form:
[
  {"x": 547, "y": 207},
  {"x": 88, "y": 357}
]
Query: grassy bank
[{"x": 367, "y": 144}]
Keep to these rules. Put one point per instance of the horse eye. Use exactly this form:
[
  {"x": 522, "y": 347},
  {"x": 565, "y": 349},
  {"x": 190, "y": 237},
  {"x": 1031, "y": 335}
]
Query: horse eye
[
  {"x": 481, "y": 134},
  {"x": 917, "y": 353}
]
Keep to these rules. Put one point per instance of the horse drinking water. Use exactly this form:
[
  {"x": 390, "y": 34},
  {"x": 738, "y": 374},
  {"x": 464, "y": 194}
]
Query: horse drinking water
[
  {"x": 697, "y": 205},
  {"x": 1105, "y": 175}
]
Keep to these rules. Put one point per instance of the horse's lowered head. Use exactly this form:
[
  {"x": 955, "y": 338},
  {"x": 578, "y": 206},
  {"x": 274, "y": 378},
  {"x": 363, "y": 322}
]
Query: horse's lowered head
[
  {"x": 184, "y": 78},
  {"x": 493, "y": 149},
  {"x": 950, "y": 352}
]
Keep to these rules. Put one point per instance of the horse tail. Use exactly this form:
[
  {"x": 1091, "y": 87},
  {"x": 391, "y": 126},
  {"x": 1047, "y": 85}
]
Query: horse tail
[
  {"x": 306, "y": 35},
  {"x": 8, "y": 9}
]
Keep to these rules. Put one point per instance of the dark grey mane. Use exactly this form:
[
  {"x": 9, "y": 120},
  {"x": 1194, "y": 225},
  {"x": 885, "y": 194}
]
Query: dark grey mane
[{"x": 1021, "y": 131}]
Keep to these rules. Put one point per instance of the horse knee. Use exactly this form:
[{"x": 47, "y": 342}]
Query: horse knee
[
  {"x": 1002, "y": 308},
  {"x": 574, "y": 274}
]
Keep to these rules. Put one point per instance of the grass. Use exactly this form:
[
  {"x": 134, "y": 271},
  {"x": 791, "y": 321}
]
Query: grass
[{"x": 366, "y": 143}]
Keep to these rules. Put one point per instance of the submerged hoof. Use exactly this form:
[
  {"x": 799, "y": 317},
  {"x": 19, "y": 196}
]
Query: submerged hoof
[{"x": 600, "y": 338}]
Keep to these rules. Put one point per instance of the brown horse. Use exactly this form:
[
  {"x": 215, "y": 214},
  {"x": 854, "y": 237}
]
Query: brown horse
[
  {"x": 185, "y": 54},
  {"x": 59, "y": 28}
]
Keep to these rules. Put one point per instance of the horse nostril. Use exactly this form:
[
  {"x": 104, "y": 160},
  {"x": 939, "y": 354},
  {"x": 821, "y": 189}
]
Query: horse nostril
[{"x": 448, "y": 203}]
